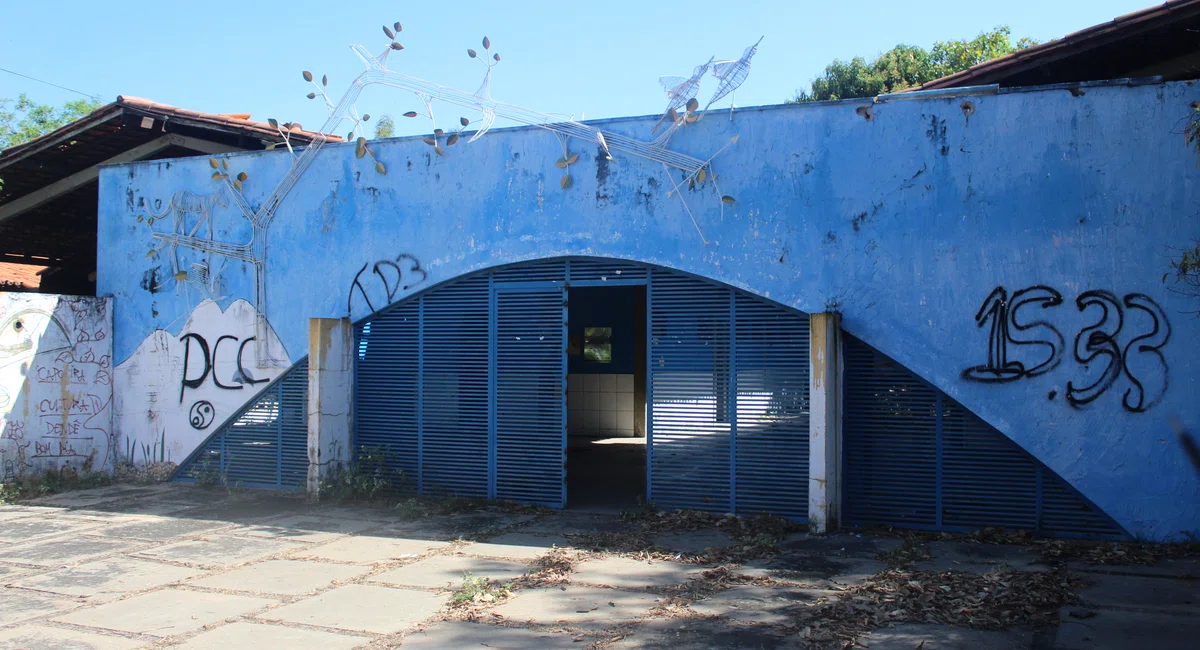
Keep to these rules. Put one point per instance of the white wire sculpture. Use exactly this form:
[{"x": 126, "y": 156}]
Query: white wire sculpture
[
  {"x": 732, "y": 75},
  {"x": 680, "y": 91}
]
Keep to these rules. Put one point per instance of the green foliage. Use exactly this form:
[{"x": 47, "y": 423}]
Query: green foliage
[
  {"x": 27, "y": 119},
  {"x": 54, "y": 481},
  {"x": 478, "y": 590},
  {"x": 907, "y": 66},
  {"x": 367, "y": 478},
  {"x": 1186, "y": 267},
  {"x": 385, "y": 127}
]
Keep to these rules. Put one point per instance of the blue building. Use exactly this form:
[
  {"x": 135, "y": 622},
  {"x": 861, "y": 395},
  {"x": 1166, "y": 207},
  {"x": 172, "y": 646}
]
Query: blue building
[{"x": 938, "y": 310}]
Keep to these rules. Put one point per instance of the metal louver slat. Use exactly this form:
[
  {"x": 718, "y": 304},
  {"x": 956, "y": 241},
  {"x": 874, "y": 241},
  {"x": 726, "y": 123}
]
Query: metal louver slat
[
  {"x": 387, "y": 391},
  {"x": 915, "y": 458},
  {"x": 607, "y": 270},
  {"x": 689, "y": 446},
  {"x": 530, "y": 438},
  {"x": 771, "y": 359},
  {"x": 543, "y": 271},
  {"x": 265, "y": 445},
  {"x": 454, "y": 382}
]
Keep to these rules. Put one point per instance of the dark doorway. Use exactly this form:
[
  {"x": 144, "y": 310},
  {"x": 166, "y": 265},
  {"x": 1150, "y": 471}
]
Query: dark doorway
[{"x": 606, "y": 396}]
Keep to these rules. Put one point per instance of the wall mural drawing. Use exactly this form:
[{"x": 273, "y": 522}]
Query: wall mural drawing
[
  {"x": 1140, "y": 360},
  {"x": 56, "y": 384},
  {"x": 190, "y": 358}
]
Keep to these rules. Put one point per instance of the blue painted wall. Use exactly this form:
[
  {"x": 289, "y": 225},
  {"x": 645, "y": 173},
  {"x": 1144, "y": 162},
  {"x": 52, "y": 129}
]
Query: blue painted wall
[
  {"x": 604, "y": 307},
  {"x": 904, "y": 222}
]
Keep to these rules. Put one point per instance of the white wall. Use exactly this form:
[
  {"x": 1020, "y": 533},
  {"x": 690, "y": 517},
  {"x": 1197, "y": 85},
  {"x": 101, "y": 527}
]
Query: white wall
[
  {"x": 175, "y": 389},
  {"x": 56, "y": 384}
]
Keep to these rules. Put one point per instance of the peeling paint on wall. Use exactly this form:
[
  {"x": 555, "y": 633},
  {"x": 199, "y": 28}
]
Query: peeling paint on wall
[{"x": 56, "y": 384}]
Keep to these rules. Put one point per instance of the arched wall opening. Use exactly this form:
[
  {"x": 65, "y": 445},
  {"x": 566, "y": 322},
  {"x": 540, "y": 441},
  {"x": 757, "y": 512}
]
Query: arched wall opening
[{"x": 590, "y": 382}]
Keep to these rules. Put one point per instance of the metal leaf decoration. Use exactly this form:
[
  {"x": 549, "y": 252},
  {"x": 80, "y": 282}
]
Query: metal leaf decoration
[
  {"x": 380, "y": 168},
  {"x": 243, "y": 176},
  {"x": 471, "y": 53},
  {"x": 486, "y": 43},
  {"x": 324, "y": 80},
  {"x": 463, "y": 121},
  {"x": 308, "y": 76},
  {"x": 397, "y": 46},
  {"x": 212, "y": 162},
  {"x": 727, "y": 199},
  {"x": 410, "y": 114},
  {"x": 397, "y": 27},
  {"x": 389, "y": 32},
  {"x": 566, "y": 182},
  {"x": 452, "y": 139}
]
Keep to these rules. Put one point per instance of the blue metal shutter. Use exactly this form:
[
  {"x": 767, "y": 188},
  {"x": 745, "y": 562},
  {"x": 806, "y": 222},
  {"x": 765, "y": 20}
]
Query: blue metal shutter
[
  {"x": 771, "y": 437},
  {"x": 263, "y": 445},
  {"x": 386, "y": 391},
  {"x": 530, "y": 404},
  {"x": 455, "y": 336},
  {"x": 689, "y": 443},
  {"x": 915, "y": 458}
]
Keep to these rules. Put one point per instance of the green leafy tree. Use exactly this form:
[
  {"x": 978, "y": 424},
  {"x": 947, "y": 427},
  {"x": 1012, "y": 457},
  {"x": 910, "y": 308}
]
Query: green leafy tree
[
  {"x": 27, "y": 119},
  {"x": 385, "y": 127},
  {"x": 906, "y": 66}
]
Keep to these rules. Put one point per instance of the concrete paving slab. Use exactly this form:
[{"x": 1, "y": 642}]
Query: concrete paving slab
[
  {"x": 109, "y": 577},
  {"x": 382, "y": 610},
  {"x": 449, "y": 571},
  {"x": 250, "y": 508},
  {"x": 370, "y": 550},
  {"x": 980, "y": 558},
  {"x": 684, "y": 634},
  {"x": 1187, "y": 568},
  {"x": 290, "y": 577},
  {"x": 44, "y": 637},
  {"x": 266, "y": 637},
  {"x": 573, "y": 523},
  {"x": 8, "y": 573},
  {"x": 579, "y": 607},
  {"x": 907, "y": 636},
  {"x": 1124, "y": 630},
  {"x": 813, "y": 569},
  {"x": 159, "y": 528},
  {"x": 306, "y": 528},
  {"x": 9, "y": 515},
  {"x": 219, "y": 550},
  {"x": 458, "y": 635},
  {"x": 752, "y": 604},
  {"x": 18, "y": 605},
  {"x": 467, "y": 525},
  {"x": 151, "y": 507},
  {"x": 1164, "y": 595},
  {"x": 85, "y": 498},
  {"x": 56, "y": 551},
  {"x": 517, "y": 546},
  {"x": 28, "y": 529},
  {"x": 838, "y": 546},
  {"x": 165, "y": 612},
  {"x": 627, "y": 572},
  {"x": 694, "y": 541}
]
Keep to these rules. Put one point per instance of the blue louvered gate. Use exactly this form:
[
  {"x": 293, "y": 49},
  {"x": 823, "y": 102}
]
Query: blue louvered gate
[
  {"x": 265, "y": 445},
  {"x": 464, "y": 386},
  {"x": 689, "y": 447},
  {"x": 530, "y": 405},
  {"x": 915, "y": 458},
  {"x": 728, "y": 399},
  {"x": 454, "y": 389}
]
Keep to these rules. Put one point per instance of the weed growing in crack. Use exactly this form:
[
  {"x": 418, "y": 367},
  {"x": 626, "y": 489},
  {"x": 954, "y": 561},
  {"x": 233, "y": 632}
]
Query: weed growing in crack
[{"x": 478, "y": 591}]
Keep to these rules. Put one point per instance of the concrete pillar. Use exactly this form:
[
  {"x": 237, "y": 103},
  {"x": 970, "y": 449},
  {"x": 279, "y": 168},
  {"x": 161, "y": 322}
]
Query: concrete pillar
[
  {"x": 824, "y": 422},
  {"x": 330, "y": 398}
]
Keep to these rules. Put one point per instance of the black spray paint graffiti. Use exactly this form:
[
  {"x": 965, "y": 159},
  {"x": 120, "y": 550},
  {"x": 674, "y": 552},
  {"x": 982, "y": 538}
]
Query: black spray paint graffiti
[
  {"x": 1095, "y": 343},
  {"x": 201, "y": 414},
  {"x": 395, "y": 277},
  {"x": 240, "y": 376}
]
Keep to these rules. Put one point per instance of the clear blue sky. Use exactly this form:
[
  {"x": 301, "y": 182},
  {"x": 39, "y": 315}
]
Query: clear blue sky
[{"x": 597, "y": 59}]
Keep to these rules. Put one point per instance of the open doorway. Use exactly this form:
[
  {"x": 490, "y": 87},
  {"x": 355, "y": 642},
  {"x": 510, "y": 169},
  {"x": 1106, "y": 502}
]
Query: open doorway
[{"x": 606, "y": 396}]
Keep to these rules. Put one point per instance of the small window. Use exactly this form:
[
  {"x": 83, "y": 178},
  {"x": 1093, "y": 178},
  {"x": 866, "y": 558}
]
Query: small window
[{"x": 597, "y": 344}]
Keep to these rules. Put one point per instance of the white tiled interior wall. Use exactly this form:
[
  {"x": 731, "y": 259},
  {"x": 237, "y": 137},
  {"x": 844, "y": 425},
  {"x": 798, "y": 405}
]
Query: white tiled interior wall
[{"x": 600, "y": 405}]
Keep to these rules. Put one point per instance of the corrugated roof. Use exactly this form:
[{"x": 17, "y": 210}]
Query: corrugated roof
[{"x": 1120, "y": 32}]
